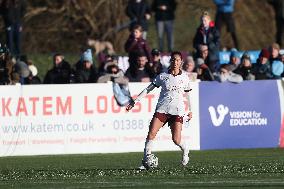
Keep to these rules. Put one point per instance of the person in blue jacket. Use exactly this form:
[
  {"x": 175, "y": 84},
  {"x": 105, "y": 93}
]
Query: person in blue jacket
[{"x": 224, "y": 14}]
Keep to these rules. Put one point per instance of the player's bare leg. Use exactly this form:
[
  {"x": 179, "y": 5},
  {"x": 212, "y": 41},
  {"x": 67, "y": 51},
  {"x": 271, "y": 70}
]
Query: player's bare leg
[
  {"x": 176, "y": 128},
  {"x": 154, "y": 127}
]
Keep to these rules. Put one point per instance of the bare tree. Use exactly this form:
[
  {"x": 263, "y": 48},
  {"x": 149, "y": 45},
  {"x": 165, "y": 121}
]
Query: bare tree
[{"x": 65, "y": 25}]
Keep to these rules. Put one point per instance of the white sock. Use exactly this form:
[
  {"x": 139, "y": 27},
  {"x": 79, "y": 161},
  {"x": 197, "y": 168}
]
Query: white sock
[
  {"x": 182, "y": 145},
  {"x": 148, "y": 147}
]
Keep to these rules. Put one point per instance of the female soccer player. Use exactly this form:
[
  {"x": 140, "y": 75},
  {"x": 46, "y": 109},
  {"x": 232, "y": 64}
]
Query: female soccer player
[{"x": 170, "y": 107}]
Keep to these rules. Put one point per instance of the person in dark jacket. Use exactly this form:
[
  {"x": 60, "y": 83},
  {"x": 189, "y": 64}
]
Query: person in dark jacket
[
  {"x": 140, "y": 72},
  {"x": 262, "y": 68},
  {"x": 60, "y": 73},
  {"x": 139, "y": 13},
  {"x": 207, "y": 34},
  {"x": 4, "y": 71},
  {"x": 155, "y": 67},
  {"x": 12, "y": 12},
  {"x": 203, "y": 72},
  {"x": 164, "y": 16},
  {"x": 136, "y": 45},
  {"x": 245, "y": 68},
  {"x": 278, "y": 6},
  {"x": 87, "y": 73}
]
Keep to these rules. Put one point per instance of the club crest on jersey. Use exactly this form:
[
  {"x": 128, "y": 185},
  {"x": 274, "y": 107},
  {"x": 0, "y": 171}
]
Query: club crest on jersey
[
  {"x": 165, "y": 78},
  {"x": 180, "y": 82}
]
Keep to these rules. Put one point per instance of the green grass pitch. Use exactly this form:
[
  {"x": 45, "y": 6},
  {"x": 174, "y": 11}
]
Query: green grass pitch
[{"x": 247, "y": 168}]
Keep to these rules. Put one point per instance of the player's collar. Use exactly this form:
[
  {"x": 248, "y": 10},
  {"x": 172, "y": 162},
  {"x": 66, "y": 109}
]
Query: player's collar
[{"x": 179, "y": 73}]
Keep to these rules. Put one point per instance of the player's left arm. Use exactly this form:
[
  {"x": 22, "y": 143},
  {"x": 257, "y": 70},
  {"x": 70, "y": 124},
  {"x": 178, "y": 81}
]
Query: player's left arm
[
  {"x": 187, "y": 103},
  {"x": 187, "y": 89}
]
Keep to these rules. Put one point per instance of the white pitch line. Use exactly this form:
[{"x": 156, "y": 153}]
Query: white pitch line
[{"x": 121, "y": 183}]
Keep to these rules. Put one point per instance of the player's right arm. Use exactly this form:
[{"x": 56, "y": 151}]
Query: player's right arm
[{"x": 141, "y": 95}]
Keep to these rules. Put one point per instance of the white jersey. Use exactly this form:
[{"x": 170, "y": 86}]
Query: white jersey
[{"x": 171, "y": 100}]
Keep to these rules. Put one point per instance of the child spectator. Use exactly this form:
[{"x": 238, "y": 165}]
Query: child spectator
[
  {"x": 136, "y": 45},
  {"x": 207, "y": 34}
]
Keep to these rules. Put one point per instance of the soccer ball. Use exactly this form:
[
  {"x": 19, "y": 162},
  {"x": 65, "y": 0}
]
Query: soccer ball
[{"x": 150, "y": 162}]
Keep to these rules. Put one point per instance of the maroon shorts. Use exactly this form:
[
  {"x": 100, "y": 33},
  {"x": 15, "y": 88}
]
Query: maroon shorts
[{"x": 168, "y": 118}]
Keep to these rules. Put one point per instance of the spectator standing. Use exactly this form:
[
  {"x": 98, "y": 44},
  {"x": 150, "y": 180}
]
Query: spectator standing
[
  {"x": 245, "y": 68},
  {"x": 5, "y": 61},
  {"x": 136, "y": 45},
  {"x": 60, "y": 72},
  {"x": 207, "y": 34},
  {"x": 87, "y": 73},
  {"x": 262, "y": 68},
  {"x": 140, "y": 73},
  {"x": 13, "y": 11},
  {"x": 278, "y": 6},
  {"x": 164, "y": 17},
  {"x": 139, "y": 13},
  {"x": 224, "y": 14}
]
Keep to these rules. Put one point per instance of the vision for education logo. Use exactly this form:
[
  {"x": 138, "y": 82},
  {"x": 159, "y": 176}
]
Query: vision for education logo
[{"x": 237, "y": 118}]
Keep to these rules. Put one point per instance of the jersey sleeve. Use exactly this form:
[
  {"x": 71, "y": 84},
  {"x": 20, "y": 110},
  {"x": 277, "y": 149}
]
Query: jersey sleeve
[
  {"x": 157, "y": 81},
  {"x": 186, "y": 84}
]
